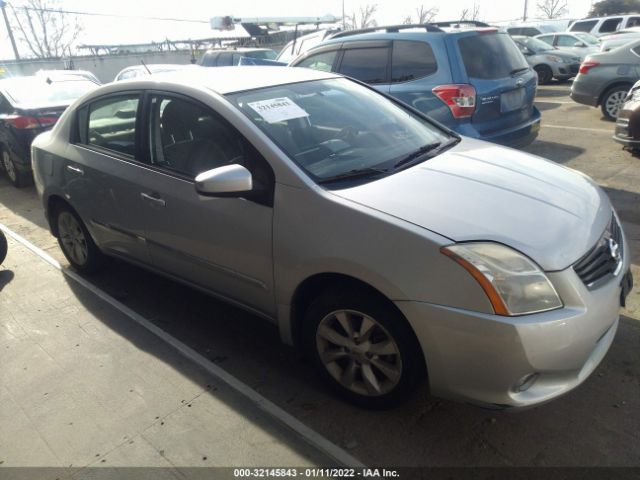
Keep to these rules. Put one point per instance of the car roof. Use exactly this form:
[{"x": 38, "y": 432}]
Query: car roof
[{"x": 224, "y": 80}]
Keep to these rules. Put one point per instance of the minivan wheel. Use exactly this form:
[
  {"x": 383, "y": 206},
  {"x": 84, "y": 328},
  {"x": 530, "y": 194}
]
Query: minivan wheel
[
  {"x": 363, "y": 348},
  {"x": 613, "y": 100},
  {"x": 545, "y": 74},
  {"x": 3, "y": 247},
  {"x": 76, "y": 242}
]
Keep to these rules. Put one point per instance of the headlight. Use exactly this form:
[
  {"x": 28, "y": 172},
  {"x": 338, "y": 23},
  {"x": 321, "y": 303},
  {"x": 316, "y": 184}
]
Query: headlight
[
  {"x": 514, "y": 284},
  {"x": 553, "y": 58}
]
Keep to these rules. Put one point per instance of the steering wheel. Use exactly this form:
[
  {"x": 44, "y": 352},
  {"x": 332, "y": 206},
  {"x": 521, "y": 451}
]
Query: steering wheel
[{"x": 348, "y": 133}]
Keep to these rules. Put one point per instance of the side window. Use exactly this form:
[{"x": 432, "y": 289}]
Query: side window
[
  {"x": 567, "y": 41},
  {"x": 514, "y": 31},
  {"x": 633, "y": 22},
  {"x": 209, "y": 59},
  {"x": 548, "y": 39},
  {"x": 610, "y": 25},
  {"x": 530, "y": 31},
  {"x": 322, "y": 61},
  {"x": 111, "y": 124},
  {"x": 225, "y": 59},
  {"x": 5, "y": 106},
  {"x": 365, "y": 64},
  {"x": 411, "y": 60},
  {"x": 585, "y": 26},
  {"x": 188, "y": 138},
  {"x": 236, "y": 58}
]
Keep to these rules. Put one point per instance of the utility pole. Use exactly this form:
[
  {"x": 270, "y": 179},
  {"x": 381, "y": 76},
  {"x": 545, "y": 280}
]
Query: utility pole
[
  {"x": 6, "y": 21},
  {"x": 344, "y": 25},
  {"x": 524, "y": 16}
]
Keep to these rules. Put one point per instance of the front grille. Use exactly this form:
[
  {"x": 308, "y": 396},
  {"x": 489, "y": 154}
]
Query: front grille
[{"x": 604, "y": 258}]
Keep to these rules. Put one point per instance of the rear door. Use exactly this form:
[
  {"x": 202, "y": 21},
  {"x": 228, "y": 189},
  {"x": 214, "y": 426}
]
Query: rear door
[{"x": 505, "y": 84}]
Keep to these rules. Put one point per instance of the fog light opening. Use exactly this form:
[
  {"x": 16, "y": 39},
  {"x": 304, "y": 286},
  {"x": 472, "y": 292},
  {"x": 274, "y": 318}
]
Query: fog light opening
[{"x": 525, "y": 382}]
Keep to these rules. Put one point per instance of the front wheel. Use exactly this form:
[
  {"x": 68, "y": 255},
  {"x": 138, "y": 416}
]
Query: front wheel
[
  {"x": 545, "y": 74},
  {"x": 613, "y": 100},
  {"x": 363, "y": 348},
  {"x": 76, "y": 242},
  {"x": 16, "y": 177}
]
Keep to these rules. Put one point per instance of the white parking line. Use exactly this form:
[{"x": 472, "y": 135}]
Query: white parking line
[
  {"x": 312, "y": 437},
  {"x": 584, "y": 129}
]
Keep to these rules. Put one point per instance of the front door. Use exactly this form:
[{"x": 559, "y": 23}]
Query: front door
[{"x": 221, "y": 244}]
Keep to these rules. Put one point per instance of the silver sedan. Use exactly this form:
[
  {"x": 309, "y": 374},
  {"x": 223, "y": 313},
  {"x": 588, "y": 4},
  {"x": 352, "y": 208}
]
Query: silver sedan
[{"x": 388, "y": 248}]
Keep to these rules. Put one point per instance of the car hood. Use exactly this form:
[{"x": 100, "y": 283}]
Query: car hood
[{"x": 481, "y": 191}]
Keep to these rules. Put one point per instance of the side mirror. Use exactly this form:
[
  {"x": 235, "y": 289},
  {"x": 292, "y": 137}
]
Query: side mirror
[
  {"x": 228, "y": 181},
  {"x": 579, "y": 44}
]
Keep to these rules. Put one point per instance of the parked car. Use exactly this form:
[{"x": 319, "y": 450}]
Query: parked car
[
  {"x": 627, "y": 130},
  {"x": 473, "y": 80},
  {"x": 599, "y": 26},
  {"x": 617, "y": 39},
  {"x": 226, "y": 57},
  {"x": 530, "y": 30},
  {"x": 303, "y": 43},
  {"x": 387, "y": 247},
  {"x": 605, "y": 78},
  {"x": 29, "y": 106},
  {"x": 578, "y": 44},
  {"x": 548, "y": 61},
  {"x": 135, "y": 71}
]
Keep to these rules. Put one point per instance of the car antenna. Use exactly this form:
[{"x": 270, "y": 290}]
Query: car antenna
[{"x": 145, "y": 66}]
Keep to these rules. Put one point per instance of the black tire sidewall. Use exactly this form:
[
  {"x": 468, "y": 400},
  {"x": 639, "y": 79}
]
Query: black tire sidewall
[
  {"x": 95, "y": 258},
  {"x": 547, "y": 72},
  {"x": 413, "y": 366},
  {"x": 4, "y": 247}
]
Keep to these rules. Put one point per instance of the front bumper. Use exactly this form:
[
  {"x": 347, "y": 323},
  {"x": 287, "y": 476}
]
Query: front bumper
[{"x": 481, "y": 358}]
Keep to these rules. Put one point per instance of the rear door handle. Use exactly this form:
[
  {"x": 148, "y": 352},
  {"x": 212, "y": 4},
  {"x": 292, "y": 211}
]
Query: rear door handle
[
  {"x": 73, "y": 169},
  {"x": 154, "y": 200}
]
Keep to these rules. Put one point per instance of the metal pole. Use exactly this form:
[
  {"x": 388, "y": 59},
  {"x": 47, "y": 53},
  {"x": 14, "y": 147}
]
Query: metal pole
[
  {"x": 344, "y": 25},
  {"x": 524, "y": 17}
]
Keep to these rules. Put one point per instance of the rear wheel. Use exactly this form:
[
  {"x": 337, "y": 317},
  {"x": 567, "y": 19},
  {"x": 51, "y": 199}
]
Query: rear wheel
[
  {"x": 545, "y": 74},
  {"x": 613, "y": 100},
  {"x": 3, "y": 247},
  {"x": 363, "y": 348},
  {"x": 16, "y": 177},
  {"x": 76, "y": 242}
]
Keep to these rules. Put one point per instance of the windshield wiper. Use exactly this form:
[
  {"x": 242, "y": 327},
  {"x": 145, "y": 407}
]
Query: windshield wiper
[
  {"x": 358, "y": 173},
  {"x": 416, "y": 154},
  {"x": 518, "y": 70}
]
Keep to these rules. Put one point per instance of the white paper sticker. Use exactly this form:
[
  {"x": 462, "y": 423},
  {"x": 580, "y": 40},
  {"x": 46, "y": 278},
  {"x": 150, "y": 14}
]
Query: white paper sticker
[{"x": 278, "y": 109}]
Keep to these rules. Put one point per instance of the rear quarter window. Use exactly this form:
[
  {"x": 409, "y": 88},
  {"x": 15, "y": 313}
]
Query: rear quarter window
[
  {"x": 490, "y": 56},
  {"x": 610, "y": 25},
  {"x": 368, "y": 65},
  {"x": 412, "y": 60}
]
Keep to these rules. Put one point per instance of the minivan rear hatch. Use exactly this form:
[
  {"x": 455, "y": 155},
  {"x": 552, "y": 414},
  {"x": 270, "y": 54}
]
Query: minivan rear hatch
[{"x": 505, "y": 84}]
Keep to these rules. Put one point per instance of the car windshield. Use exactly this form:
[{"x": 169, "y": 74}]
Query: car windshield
[
  {"x": 535, "y": 45},
  {"x": 587, "y": 38},
  {"x": 335, "y": 128},
  {"x": 38, "y": 91}
]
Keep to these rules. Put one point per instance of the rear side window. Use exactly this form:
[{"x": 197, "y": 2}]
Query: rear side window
[
  {"x": 610, "y": 25},
  {"x": 111, "y": 124},
  {"x": 548, "y": 39},
  {"x": 490, "y": 56},
  {"x": 365, "y": 64},
  {"x": 224, "y": 60},
  {"x": 585, "y": 26},
  {"x": 411, "y": 60},
  {"x": 633, "y": 22},
  {"x": 209, "y": 60},
  {"x": 321, "y": 61}
]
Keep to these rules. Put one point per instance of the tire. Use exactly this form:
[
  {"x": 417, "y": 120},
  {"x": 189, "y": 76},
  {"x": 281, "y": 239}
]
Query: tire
[
  {"x": 3, "y": 247},
  {"x": 545, "y": 74},
  {"x": 76, "y": 242},
  {"x": 613, "y": 100},
  {"x": 15, "y": 176},
  {"x": 376, "y": 373}
]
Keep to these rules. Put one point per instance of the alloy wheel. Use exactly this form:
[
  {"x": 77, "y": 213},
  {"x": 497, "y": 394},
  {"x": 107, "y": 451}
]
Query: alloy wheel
[
  {"x": 72, "y": 238},
  {"x": 614, "y": 102},
  {"x": 9, "y": 167},
  {"x": 359, "y": 353}
]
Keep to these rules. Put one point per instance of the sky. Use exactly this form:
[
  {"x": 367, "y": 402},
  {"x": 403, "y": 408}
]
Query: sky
[{"x": 121, "y": 30}]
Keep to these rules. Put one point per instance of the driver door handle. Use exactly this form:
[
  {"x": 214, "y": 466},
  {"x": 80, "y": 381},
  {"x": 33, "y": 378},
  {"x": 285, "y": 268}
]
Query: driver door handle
[
  {"x": 154, "y": 200},
  {"x": 76, "y": 170}
]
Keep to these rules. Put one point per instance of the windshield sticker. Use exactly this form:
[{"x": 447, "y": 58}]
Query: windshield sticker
[{"x": 278, "y": 109}]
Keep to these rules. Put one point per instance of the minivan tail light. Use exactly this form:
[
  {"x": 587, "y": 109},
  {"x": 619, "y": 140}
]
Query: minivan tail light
[
  {"x": 24, "y": 122},
  {"x": 459, "y": 97},
  {"x": 586, "y": 66}
]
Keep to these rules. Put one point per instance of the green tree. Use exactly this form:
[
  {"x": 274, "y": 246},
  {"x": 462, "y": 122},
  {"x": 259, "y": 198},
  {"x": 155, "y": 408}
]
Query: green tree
[{"x": 613, "y": 7}]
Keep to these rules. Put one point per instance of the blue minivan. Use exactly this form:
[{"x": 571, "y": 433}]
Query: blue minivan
[{"x": 475, "y": 81}]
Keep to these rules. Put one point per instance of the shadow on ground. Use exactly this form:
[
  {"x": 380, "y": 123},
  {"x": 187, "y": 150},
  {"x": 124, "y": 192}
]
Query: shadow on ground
[{"x": 557, "y": 152}]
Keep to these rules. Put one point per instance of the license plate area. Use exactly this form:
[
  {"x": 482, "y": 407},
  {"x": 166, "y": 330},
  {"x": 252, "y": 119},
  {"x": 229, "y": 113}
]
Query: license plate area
[{"x": 512, "y": 100}]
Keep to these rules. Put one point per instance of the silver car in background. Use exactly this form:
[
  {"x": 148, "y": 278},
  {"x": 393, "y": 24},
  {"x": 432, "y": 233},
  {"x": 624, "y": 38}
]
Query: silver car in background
[
  {"x": 605, "y": 78},
  {"x": 579, "y": 44},
  {"x": 547, "y": 61},
  {"x": 389, "y": 249}
]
